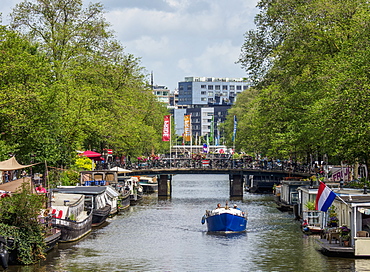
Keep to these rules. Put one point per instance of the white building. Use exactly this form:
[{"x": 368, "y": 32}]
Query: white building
[{"x": 210, "y": 90}]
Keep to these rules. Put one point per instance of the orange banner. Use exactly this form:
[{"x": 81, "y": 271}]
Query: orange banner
[{"x": 187, "y": 128}]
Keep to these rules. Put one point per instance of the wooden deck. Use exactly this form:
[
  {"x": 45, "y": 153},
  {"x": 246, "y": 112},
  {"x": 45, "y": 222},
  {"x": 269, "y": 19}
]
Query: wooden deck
[{"x": 335, "y": 248}]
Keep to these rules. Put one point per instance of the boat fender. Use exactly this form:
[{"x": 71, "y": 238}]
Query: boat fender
[
  {"x": 4, "y": 258},
  {"x": 203, "y": 219}
]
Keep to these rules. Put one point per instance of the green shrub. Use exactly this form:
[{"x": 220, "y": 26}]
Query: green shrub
[{"x": 19, "y": 221}]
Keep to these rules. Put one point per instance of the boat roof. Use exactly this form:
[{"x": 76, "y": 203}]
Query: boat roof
[
  {"x": 60, "y": 198},
  {"x": 85, "y": 190},
  {"x": 112, "y": 192}
]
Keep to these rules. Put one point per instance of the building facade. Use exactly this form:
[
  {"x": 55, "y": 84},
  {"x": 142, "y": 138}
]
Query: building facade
[
  {"x": 207, "y": 100},
  {"x": 210, "y": 91}
]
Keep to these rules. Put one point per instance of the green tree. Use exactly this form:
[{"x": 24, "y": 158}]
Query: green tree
[
  {"x": 305, "y": 56},
  {"x": 97, "y": 96}
]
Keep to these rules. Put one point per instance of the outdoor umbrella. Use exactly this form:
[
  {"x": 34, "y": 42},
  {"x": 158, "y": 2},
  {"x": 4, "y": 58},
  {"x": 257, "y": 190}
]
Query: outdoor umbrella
[{"x": 91, "y": 154}]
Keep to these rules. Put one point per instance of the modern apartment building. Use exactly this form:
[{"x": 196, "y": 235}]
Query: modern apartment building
[
  {"x": 210, "y": 91},
  {"x": 207, "y": 100}
]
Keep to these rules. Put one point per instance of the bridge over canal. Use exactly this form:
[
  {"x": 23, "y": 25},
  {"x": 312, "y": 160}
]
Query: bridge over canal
[{"x": 257, "y": 180}]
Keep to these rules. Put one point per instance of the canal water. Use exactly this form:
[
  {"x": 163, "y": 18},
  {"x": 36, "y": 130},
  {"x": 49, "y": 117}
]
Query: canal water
[{"x": 167, "y": 235}]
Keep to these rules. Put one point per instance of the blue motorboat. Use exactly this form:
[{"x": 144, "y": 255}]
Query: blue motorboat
[{"x": 225, "y": 219}]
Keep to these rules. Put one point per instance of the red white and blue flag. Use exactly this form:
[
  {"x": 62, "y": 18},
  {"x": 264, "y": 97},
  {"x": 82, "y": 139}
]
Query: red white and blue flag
[{"x": 325, "y": 197}]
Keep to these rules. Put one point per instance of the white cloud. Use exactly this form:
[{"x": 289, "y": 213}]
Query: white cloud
[{"x": 179, "y": 38}]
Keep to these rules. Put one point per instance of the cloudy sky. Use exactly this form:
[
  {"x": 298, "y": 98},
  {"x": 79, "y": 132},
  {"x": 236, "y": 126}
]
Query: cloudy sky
[{"x": 178, "y": 38}]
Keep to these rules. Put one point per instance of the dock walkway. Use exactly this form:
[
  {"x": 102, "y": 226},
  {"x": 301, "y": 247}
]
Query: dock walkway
[{"x": 335, "y": 249}]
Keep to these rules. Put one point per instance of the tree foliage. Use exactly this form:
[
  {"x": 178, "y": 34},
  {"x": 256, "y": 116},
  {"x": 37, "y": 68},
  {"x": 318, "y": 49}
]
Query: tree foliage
[
  {"x": 309, "y": 62},
  {"x": 67, "y": 84}
]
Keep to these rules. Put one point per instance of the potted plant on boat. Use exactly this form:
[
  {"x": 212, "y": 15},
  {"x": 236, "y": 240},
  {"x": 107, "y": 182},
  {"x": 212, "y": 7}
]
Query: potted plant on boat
[
  {"x": 344, "y": 233},
  {"x": 333, "y": 219}
]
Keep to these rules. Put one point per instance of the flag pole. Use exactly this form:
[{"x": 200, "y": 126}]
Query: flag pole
[{"x": 341, "y": 199}]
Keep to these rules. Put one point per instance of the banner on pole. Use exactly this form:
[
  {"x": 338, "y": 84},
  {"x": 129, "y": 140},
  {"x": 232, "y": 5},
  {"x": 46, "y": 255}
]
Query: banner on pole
[
  {"x": 235, "y": 126},
  {"x": 187, "y": 128},
  {"x": 166, "y": 135},
  {"x": 212, "y": 132}
]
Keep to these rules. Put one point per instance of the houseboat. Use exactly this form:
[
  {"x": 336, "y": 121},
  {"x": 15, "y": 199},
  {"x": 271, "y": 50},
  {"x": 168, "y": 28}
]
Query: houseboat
[
  {"x": 112, "y": 178},
  {"x": 289, "y": 195},
  {"x": 351, "y": 238},
  {"x": 71, "y": 216},
  {"x": 96, "y": 199}
]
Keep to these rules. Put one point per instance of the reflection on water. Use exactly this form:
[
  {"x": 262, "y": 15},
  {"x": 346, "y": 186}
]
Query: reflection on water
[{"x": 167, "y": 235}]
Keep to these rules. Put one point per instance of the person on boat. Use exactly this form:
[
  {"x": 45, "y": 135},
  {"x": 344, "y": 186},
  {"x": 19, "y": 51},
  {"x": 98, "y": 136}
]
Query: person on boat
[
  {"x": 218, "y": 206},
  {"x": 236, "y": 207},
  {"x": 40, "y": 189}
]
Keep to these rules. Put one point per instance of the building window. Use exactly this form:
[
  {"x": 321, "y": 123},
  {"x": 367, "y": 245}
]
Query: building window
[
  {"x": 203, "y": 99},
  {"x": 203, "y": 92},
  {"x": 232, "y": 87},
  {"x": 217, "y": 87},
  {"x": 210, "y": 87},
  {"x": 224, "y": 87},
  {"x": 238, "y": 87},
  {"x": 189, "y": 87},
  {"x": 210, "y": 93},
  {"x": 203, "y": 86}
]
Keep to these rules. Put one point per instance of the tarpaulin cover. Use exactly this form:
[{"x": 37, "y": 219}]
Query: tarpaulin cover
[
  {"x": 14, "y": 185},
  {"x": 12, "y": 164}
]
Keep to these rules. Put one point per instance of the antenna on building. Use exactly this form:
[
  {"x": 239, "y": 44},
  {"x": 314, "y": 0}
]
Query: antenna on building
[{"x": 151, "y": 80}]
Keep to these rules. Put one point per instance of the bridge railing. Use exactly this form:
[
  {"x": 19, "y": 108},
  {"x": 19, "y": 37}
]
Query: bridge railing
[{"x": 213, "y": 163}]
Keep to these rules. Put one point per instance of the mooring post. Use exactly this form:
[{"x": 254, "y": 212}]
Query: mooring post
[
  {"x": 236, "y": 185},
  {"x": 165, "y": 185}
]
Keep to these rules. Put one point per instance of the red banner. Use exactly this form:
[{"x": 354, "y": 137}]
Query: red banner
[{"x": 166, "y": 135}]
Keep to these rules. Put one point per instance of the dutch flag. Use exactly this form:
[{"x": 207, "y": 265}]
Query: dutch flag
[{"x": 325, "y": 197}]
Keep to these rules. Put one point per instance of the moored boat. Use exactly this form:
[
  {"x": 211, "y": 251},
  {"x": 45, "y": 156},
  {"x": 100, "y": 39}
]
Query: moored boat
[
  {"x": 96, "y": 199},
  {"x": 4, "y": 254},
  {"x": 51, "y": 238},
  {"x": 149, "y": 184},
  {"x": 71, "y": 216},
  {"x": 312, "y": 222},
  {"x": 124, "y": 195},
  {"x": 109, "y": 177},
  {"x": 225, "y": 219},
  {"x": 132, "y": 185}
]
